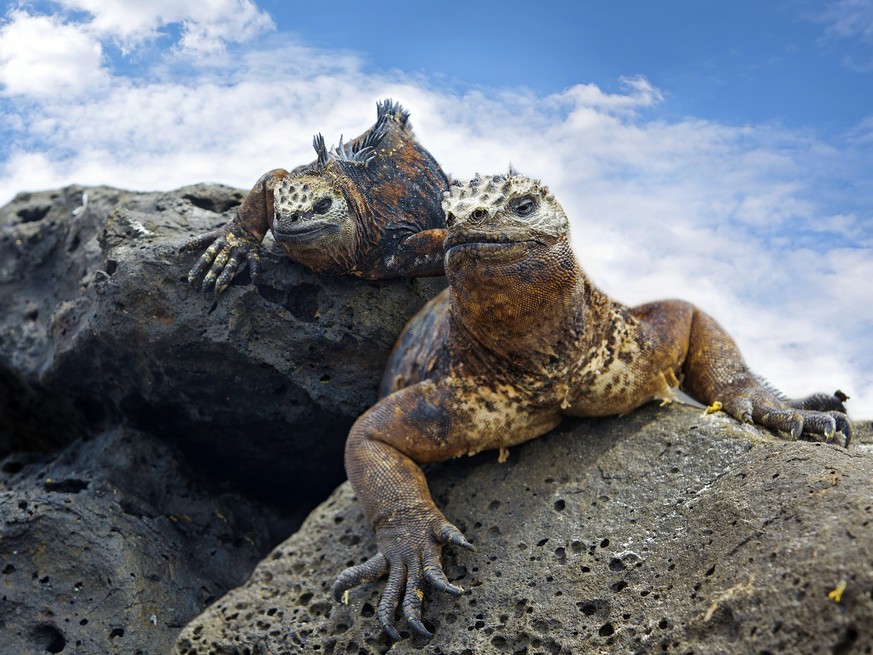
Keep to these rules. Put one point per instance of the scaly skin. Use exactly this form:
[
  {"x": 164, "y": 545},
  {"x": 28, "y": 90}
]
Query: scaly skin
[
  {"x": 520, "y": 339},
  {"x": 369, "y": 208}
]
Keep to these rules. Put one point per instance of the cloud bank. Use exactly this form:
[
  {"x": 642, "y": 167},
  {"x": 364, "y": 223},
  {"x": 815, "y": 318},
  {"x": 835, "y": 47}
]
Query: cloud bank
[{"x": 769, "y": 230}]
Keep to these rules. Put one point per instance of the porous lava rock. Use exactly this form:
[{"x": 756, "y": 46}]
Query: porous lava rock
[
  {"x": 110, "y": 547},
  {"x": 663, "y": 531},
  {"x": 98, "y": 325}
]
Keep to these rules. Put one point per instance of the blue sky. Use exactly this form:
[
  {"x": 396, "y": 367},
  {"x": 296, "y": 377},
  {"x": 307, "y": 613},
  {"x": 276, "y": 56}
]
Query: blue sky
[{"x": 720, "y": 152}]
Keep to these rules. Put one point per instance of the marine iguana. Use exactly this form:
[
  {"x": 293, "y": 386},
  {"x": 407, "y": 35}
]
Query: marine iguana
[
  {"x": 370, "y": 207},
  {"x": 520, "y": 339}
]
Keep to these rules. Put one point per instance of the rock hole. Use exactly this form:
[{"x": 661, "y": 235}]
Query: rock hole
[
  {"x": 606, "y": 630},
  {"x": 48, "y": 637},
  {"x": 216, "y": 205},
  {"x": 303, "y": 302},
  {"x": 74, "y": 243},
  {"x": 8, "y": 569},
  {"x": 12, "y": 467},
  {"x": 848, "y": 639},
  {"x": 116, "y": 633},
  {"x": 615, "y": 564},
  {"x": 32, "y": 215},
  {"x": 618, "y": 586},
  {"x": 560, "y": 505},
  {"x": 70, "y": 486},
  {"x": 710, "y": 571}
]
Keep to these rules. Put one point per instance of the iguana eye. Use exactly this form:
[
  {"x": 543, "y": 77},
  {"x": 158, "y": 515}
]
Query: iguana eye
[
  {"x": 479, "y": 214},
  {"x": 524, "y": 206},
  {"x": 322, "y": 206}
]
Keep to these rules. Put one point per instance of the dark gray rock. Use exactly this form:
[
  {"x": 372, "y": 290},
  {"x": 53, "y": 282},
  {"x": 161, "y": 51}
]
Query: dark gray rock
[
  {"x": 664, "y": 531},
  {"x": 109, "y": 547},
  {"x": 98, "y": 325}
]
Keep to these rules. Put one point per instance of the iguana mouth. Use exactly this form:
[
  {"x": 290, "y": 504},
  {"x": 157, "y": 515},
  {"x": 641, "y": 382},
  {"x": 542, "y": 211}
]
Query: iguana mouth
[
  {"x": 303, "y": 232},
  {"x": 491, "y": 248}
]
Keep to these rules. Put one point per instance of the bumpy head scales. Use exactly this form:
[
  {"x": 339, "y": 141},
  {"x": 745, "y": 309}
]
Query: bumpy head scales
[
  {"x": 506, "y": 199},
  {"x": 308, "y": 197}
]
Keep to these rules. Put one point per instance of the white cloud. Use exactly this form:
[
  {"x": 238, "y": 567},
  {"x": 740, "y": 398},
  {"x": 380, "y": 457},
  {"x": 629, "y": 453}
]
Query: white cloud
[
  {"x": 850, "y": 22},
  {"x": 849, "y": 19},
  {"x": 726, "y": 217},
  {"x": 42, "y": 56},
  {"x": 205, "y": 25}
]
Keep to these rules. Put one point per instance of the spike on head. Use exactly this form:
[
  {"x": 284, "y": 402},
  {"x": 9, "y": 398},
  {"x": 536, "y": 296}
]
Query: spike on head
[
  {"x": 320, "y": 150},
  {"x": 389, "y": 109}
]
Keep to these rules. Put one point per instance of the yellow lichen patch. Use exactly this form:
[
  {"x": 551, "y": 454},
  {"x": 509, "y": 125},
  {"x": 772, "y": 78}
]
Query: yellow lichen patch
[
  {"x": 712, "y": 409},
  {"x": 420, "y": 594},
  {"x": 837, "y": 593}
]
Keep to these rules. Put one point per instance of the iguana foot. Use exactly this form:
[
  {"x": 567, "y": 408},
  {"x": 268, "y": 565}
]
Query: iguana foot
[
  {"x": 818, "y": 417},
  {"x": 231, "y": 245},
  {"x": 410, "y": 555}
]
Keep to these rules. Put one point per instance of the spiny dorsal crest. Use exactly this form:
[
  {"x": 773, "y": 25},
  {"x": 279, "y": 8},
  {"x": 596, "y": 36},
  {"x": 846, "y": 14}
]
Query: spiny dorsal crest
[
  {"x": 388, "y": 109},
  {"x": 363, "y": 152}
]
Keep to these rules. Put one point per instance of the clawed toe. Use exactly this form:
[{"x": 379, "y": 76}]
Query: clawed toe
[{"x": 451, "y": 535}]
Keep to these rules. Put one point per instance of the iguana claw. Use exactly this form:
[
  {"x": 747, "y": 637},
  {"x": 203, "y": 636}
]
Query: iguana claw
[
  {"x": 410, "y": 556},
  {"x": 217, "y": 266}
]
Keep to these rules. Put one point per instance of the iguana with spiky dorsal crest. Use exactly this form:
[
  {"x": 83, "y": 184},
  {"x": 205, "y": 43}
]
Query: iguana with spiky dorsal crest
[
  {"x": 520, "y": 339},
  {"x": 369, "y": 207}
]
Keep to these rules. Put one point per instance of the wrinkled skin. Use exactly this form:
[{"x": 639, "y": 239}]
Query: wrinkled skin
[
  {"x": 369, "y": 208},
  {"x": 519, "y": 340}
]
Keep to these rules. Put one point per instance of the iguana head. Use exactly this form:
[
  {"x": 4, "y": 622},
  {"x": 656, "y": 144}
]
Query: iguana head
[
  {"x": 508, "y": 258},
  {"x": 310, "y": 208},
  {"x": 501, "y": 219}
]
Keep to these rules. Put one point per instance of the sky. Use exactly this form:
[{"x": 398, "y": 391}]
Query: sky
[{"x": 716, "y": 152}]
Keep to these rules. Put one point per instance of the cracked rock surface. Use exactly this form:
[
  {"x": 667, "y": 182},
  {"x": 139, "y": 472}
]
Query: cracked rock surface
[
  {"x": 98, "y": 325},
  {"x": 663, "y": 531}
]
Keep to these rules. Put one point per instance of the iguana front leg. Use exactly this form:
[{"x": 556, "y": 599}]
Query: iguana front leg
[
  {"x": 425, "y": 423},
  {"x": 238, "y": 241},
  {"x": 715, "y": 373},
  {"x": 417, "y": 255}
]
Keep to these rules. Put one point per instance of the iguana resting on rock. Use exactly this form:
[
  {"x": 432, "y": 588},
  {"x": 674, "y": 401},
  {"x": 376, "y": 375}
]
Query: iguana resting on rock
[
  {"x": 370, "y": 207},
  {"x": 520, "y": 339}
]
